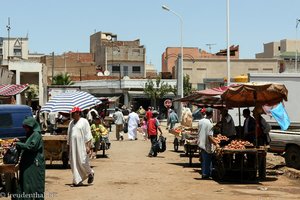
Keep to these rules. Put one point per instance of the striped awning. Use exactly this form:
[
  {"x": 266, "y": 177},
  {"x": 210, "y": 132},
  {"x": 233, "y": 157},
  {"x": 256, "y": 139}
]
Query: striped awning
[
  {"x": 12, "y": 89},
  {"x": 65, "y": 102}
]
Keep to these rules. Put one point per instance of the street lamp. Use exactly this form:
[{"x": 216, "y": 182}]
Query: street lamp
[
  {"x": 296, "y": 61},
  {"x": 228, "y": 44},
  {"x": 180, "y": 56}
]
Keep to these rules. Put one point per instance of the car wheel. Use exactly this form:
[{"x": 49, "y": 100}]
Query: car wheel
[{"x": 292, "y": 157}]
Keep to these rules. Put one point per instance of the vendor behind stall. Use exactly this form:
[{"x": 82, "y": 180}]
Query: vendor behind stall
[
  {"x": 262, "y": 128},
  {"x": 205, "y": 142},
  {"x": 227, "y": 124},
  {"x": 249, "y": 126}
]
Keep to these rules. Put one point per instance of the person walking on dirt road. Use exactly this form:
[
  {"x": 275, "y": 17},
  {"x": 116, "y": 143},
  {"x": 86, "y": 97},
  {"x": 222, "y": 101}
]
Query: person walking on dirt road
[
  {"x": 153, "y": 126},
  {"x": 79, "y": 140},
  {"x": 119, "y": 122}
]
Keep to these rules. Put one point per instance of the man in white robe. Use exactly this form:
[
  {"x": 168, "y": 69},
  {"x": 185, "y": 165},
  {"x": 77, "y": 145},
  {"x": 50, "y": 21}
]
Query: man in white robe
[
  {"x": 79, "y": 141},
  {"x": 133, "y": 123}
]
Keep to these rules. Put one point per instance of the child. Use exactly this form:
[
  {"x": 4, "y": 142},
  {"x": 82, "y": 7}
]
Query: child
[
  {"x": 144, "y": 128},
  {"x": 98, "y": 131}
]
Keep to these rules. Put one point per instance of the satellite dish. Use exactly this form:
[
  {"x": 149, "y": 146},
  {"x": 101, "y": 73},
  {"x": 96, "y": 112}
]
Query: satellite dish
[
  {"x": 99, "y": 74},
  {"x": 126, "y": 78},
  {"x": 106, "y": 73},
  {"x": 108, "y": 37}
]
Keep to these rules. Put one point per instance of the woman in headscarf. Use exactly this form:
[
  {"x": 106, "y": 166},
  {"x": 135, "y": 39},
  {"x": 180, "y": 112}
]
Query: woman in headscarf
[{"x": 32, "y": 161}]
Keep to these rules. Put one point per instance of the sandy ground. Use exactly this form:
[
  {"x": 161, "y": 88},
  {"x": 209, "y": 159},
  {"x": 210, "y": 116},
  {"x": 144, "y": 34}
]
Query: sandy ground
[{"x": 127, "y": 173}]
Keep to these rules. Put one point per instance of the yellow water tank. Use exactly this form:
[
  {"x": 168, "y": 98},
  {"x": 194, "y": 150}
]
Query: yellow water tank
[{"x": 241, "y": 79}]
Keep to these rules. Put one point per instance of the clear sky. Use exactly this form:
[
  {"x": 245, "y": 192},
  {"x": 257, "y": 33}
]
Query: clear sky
[{"x": 66, "y": 25}]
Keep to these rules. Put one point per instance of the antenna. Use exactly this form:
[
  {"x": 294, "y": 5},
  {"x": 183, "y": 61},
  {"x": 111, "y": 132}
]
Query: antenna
[
  {"x": 209, "y": 46},
  {"x": 8, "y": 35}
]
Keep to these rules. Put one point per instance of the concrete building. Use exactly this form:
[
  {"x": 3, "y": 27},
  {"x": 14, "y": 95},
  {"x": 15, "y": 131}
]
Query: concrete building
[
  {"x": 209, "y": 72},
  {"x": 12, "y": 48},
  {"x": 118, "y": 58},
  {"x": 22, "y": 67},
  {"x": 169, "y": 57},
  {"x": 80, "y": 66},
  {"x": 285, "y": 51}
]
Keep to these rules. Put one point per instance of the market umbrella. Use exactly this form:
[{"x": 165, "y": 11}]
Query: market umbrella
[
  {"x": 66, "y": 101},
  {"x": 209, "y": 97},
  {"x": 254, "y": 94}
]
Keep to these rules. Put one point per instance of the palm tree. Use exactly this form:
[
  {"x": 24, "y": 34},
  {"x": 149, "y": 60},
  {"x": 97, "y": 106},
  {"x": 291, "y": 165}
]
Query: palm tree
[
  {"x": 62, "y": 79},
  {"x": 156, "y": 90}
]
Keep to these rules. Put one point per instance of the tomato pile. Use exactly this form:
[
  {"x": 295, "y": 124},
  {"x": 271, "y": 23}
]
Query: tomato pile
[{"x": 238, "y": 144}]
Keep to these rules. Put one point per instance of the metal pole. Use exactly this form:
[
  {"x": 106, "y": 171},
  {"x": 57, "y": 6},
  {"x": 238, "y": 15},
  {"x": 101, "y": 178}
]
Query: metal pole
[
  {"x": 296, "y": 54},
  {"x": 228, "y": 44},
  {"x": 8, "y": 38},
  {"x": 65, "y": 63},
  {"x": 52, "y": 66}
]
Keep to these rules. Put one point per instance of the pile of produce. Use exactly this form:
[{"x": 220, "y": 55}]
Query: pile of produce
[
  {"x": 220, "y": 138},
  {"x": 238, "y": 145}
]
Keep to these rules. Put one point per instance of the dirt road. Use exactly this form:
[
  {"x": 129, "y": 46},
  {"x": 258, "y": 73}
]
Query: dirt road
[{"x": 127, "y": 173}]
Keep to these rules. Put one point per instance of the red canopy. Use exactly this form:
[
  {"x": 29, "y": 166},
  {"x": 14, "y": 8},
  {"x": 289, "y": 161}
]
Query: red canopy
[
  {"x": 212, "y": 92},
  {"x": 12, "y": 89}
]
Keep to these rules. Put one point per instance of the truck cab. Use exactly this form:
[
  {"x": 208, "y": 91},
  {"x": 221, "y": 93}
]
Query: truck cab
[
  {"x": 11, "y": 120},
  {"x": 286, "y": 143}
]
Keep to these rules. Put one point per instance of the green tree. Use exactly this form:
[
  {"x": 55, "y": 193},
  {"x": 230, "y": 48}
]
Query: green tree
[
  {"x": 187, "y": 87},
  {"x": 31, "y": 92},
  {"x": 62, "y": 79},
  {"x": 156, "y": 90}
]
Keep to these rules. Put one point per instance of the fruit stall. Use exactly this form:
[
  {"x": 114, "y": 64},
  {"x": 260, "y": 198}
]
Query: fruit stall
[
  {"x": 239, "y": 159},
  {"x": 186, "y": 137}
]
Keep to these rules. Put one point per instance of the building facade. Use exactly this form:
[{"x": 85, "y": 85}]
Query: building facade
[
  {"x": 13, "y": 48},
  {"x": 170, "y": 56},
  {"x": 118, "y": 58},
  {"x": 285, "y": 51},
  {"x": 209, "y": 72}
]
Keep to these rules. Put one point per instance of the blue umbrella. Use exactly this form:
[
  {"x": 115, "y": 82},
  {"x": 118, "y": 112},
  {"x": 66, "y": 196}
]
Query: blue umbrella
[{"x": 66, "y": 101}]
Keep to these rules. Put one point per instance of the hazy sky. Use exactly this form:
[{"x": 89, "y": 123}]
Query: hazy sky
[{"x": 66, "y": 25}]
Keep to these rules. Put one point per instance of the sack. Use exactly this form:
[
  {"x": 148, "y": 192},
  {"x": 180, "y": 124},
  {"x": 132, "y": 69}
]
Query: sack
[
  {"x": 125, "y": 129},
  {"x": 11, "y": 156},
  {"x": 162, "y": 144}
]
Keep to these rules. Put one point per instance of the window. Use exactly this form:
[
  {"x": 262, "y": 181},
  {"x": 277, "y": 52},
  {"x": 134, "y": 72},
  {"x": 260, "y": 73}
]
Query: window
[
  {"x": 136, "y": 69},
  {"x": 1, "y": 52},
  {"x": 6, "y": 120},
  {"x": 17, "y": 52},
  {"x": 125, "y": 70},
  {"x": 201, "y": 86},
  {"x": 116, "y": 69}
]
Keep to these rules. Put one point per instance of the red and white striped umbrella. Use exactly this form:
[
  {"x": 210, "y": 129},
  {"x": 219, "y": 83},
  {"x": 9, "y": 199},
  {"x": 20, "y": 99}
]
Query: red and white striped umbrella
[{"x": 12, "y": 89}]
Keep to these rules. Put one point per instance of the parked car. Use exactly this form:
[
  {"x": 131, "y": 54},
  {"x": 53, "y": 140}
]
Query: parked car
[
  {"x": 11, "y": 120},
  {"x": 287, "y": 144}
]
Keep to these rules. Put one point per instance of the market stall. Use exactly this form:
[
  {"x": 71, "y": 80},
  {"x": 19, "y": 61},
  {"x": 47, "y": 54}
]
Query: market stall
[
  {"x": 55, "y": 148},
  {"x": 237, "y": 156},
  {"x": 186, "y": 137},
  {"x": 9, "y": 172}
]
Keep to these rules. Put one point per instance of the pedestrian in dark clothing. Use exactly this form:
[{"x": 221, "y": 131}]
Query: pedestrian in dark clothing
[{"x": 32, "y": 161}]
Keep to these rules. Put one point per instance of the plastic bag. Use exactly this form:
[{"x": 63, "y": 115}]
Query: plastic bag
[{"x": 11, "y": 156}]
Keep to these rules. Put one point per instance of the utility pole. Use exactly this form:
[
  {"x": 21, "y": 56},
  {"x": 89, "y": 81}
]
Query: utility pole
[
  {"x": 52, "y": 65},
  {"x": 8, "y": 36}
]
